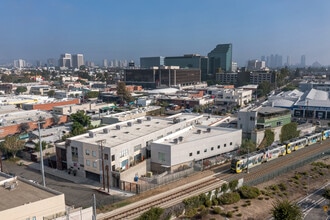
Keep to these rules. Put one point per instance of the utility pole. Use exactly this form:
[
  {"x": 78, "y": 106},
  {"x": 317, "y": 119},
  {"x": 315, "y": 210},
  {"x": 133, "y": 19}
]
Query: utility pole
[
  {"x": 94, "y": 207},
  {"x": 102, "y": 158},
  {"x": 247, "y": 162},
  {"x": 41, "y": 157}
]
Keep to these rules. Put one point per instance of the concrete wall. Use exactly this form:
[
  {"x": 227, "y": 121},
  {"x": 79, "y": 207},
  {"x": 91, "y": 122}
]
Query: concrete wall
[{"x": 139, "y": 170}]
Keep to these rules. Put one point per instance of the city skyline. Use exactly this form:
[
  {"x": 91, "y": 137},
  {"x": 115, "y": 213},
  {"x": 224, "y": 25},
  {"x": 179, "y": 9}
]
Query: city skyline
[{"x": 35, "y": 30}]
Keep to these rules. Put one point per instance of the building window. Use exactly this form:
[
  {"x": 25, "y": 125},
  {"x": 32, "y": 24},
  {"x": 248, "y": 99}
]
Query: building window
[
  {"x": 74, "y": 151},
  {"x": 94, "y": 164},
  {"x": 212, "y": 148},
  {"x": 218, "y": 146},
  {"x": 123, "y": 153},
  {"x": 94, "y": 153},
  {"x": 113, "y": 167},
  {"x": 137, "y": 147},
  {"x": 279, "y": 123},
  {"x": 161, "y": 157},
  {"x": 190, "y": 154},
  {"x": 231, "y": 143},
  {"x": 87, "y": 152},
  {"x": 106, "y": 156},
  {"x": 34, "y": 218},
  {"x": 205, "y": 150},
  {"x": 198, "y": 152},
  {"x": 225, "y": 145},
  {"x": 88, "y": 163},
  {"x": 113, "y": 157}
]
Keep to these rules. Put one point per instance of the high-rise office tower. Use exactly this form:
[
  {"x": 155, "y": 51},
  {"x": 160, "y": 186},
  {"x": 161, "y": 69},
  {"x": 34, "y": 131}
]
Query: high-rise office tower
[
  {"x": 65, "y": 60},
  {"x": 105, "y": 63},
  {"x": 288, "y": 61},
  {"x": 220, "y": 58},
  {"x": 77, "y": 60},
  {"x": 303, "y": 61},
  {"x": 19, "y": 63}
]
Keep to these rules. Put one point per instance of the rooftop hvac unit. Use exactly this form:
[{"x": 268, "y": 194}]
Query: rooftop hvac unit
[
  {"x": 139, "y": 121},
  {"x": 199, "y": 131},
  {"x": 106, "y": 130},
  {"x": 118, "y": 127},
  {"x": 129, "y": 124},
  {"x": 148, "y": 118},
  {"x": 180, "y": 138},
  {"x": 91, "y": 134},
  {"x": 175, "y": 140},
  {"x": 208, "y": 130}
]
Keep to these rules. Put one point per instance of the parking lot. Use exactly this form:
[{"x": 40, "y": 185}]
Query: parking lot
[{"x": 77, "y": 195}]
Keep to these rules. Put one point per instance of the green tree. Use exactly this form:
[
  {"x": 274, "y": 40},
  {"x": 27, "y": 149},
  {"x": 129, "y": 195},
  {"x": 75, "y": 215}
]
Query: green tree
[
  {"x": 233, "y": 185},
  {"x": 247, "y": 146},
  {"x": 269, "y": 136},
  {"x": 326, "y": 193},
  {"x": 81, "y": 118},
  {"x": 92, "y": 94},
  {"x": 286, "y": 210},
  {"x": 151, "y": 214},
  {"x": 123, "y": 92},
  {"x": 21, "y": 89},
  {"x": 77, "y": 128},
  {"x": 264, "y": 88},
  {"x": 51, "y": 93},
  {"x": 43, "y": 145},
  {"x": 289, "y": 131},
  {"x": 24, "y": 127},
  {"x": 12, "y": 144}
]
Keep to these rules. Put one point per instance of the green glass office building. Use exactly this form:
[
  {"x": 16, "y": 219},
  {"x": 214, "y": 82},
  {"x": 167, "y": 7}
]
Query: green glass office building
[{"x": 220, "y": 58}]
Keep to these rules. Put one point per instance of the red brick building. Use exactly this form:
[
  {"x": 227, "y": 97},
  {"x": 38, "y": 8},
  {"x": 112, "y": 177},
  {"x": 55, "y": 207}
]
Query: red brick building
[{"x": 49, "y": 106}]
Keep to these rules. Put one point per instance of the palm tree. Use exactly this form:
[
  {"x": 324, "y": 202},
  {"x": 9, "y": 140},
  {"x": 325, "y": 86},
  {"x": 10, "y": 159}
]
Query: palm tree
[{"x": 286, "y": 210}]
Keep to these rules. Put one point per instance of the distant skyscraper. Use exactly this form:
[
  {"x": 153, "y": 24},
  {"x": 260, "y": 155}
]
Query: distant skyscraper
[
  {"x": 65, "y": 60},
  {"x": 220, "y": 58},
  {"x": 303, "y": 61},
  {"x": 105, "y": 63},
  {"x": 77, "y": 60},
  {"x": 19, "y": 63},
  {"x": 51, "y": 62},
  {"x": 288, "y": 61}
]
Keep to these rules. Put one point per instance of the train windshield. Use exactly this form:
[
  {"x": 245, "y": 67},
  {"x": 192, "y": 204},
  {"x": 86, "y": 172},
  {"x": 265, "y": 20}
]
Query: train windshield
[{"x": 233, "y": 164}]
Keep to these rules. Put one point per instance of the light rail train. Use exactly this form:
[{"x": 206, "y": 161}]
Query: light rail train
[{"x": 241, "y": 163}]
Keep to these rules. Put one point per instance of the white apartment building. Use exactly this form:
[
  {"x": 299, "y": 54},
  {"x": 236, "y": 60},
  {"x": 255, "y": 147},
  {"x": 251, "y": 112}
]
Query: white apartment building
[
  {"x": 233, "y": 96},
  {"x": 120, "y": 151}
]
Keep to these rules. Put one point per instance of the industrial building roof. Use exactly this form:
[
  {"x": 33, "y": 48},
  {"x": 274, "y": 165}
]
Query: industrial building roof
[{"x": 21, "y": 193}]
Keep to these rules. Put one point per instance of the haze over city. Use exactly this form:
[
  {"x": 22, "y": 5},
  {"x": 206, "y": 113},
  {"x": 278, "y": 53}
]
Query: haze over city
[{"x": 37, "y": 30}]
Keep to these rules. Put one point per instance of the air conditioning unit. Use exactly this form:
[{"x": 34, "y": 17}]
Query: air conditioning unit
[
  {"x": 180, "y": 138},
  {"x": 139, "y": 121},
  {"x": 106, "y": 130},
  {"x": 118, "y": 127},
  {"x": 91, "y": 134},
  {"x": 129, "y": 124},
  {"x": 148, "y": 118}
]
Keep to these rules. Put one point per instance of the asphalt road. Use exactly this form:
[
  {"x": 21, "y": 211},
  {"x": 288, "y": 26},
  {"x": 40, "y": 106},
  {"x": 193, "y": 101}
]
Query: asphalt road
[
  {"x": 76, "y": 195},
  {"x": 312, "y": 205}
]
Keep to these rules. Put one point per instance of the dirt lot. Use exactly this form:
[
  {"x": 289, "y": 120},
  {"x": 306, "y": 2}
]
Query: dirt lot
[{"x": 298, "y": 183}]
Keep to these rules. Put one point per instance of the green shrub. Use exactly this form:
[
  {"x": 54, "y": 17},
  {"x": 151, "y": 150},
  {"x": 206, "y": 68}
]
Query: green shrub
[
  {"x": 297, "y": 176},
  {"x": 217, "y": 210},
  {"x": 233, "y": 185},
  {"x": 215, "y": 201},
  {"x": 326, "y": 193},
  {"x": 224, "y": 187},
  {"x": 282, "y": 186},
  {"x": 191, "y": 212},
  {"x": 239, "y": 215},
  {"x": 249, "y": 192},
  {"x": 229, "y": 214},
  {"x": 208, "y": 203},
  {"x": 153, "y": 213},
  {"x": 229, "y": 198}
]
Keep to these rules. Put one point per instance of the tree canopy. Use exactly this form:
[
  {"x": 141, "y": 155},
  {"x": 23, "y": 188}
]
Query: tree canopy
[
  {"x": 12, "y": 144},
  {"x": 264, "y": 88},
  {"x": 247, "y": 145},
  {"x": 81, "y": 118},
  {"x": 21, "y": 89},
  {"x": 123, "y": 92},
  {"x": 92, "y": 94},
  {"x": 51, "y": 93},
  {"x": 289, "y": 131}
]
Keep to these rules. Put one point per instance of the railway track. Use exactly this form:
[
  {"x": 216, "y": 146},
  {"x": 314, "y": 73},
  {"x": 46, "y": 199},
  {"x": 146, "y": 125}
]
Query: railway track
[
  {"x": 163, "y": 200},
  {"x": 175, "y": 196}
]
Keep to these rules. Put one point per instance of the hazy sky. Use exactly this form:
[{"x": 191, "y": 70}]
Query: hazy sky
[{"x": 130, "y": 29}]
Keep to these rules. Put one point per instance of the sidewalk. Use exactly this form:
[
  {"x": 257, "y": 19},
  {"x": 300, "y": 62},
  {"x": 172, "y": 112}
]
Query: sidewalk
[{"x": 75, "y": 179}]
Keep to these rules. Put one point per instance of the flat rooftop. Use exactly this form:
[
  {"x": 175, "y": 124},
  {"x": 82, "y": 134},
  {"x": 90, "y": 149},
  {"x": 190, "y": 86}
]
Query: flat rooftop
[
  {"x": 22, "y": 116},
  {"x": 124, "y": 132},
  {"x": 197, "y": 133},
  {"x": 24, "y": 193}
]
